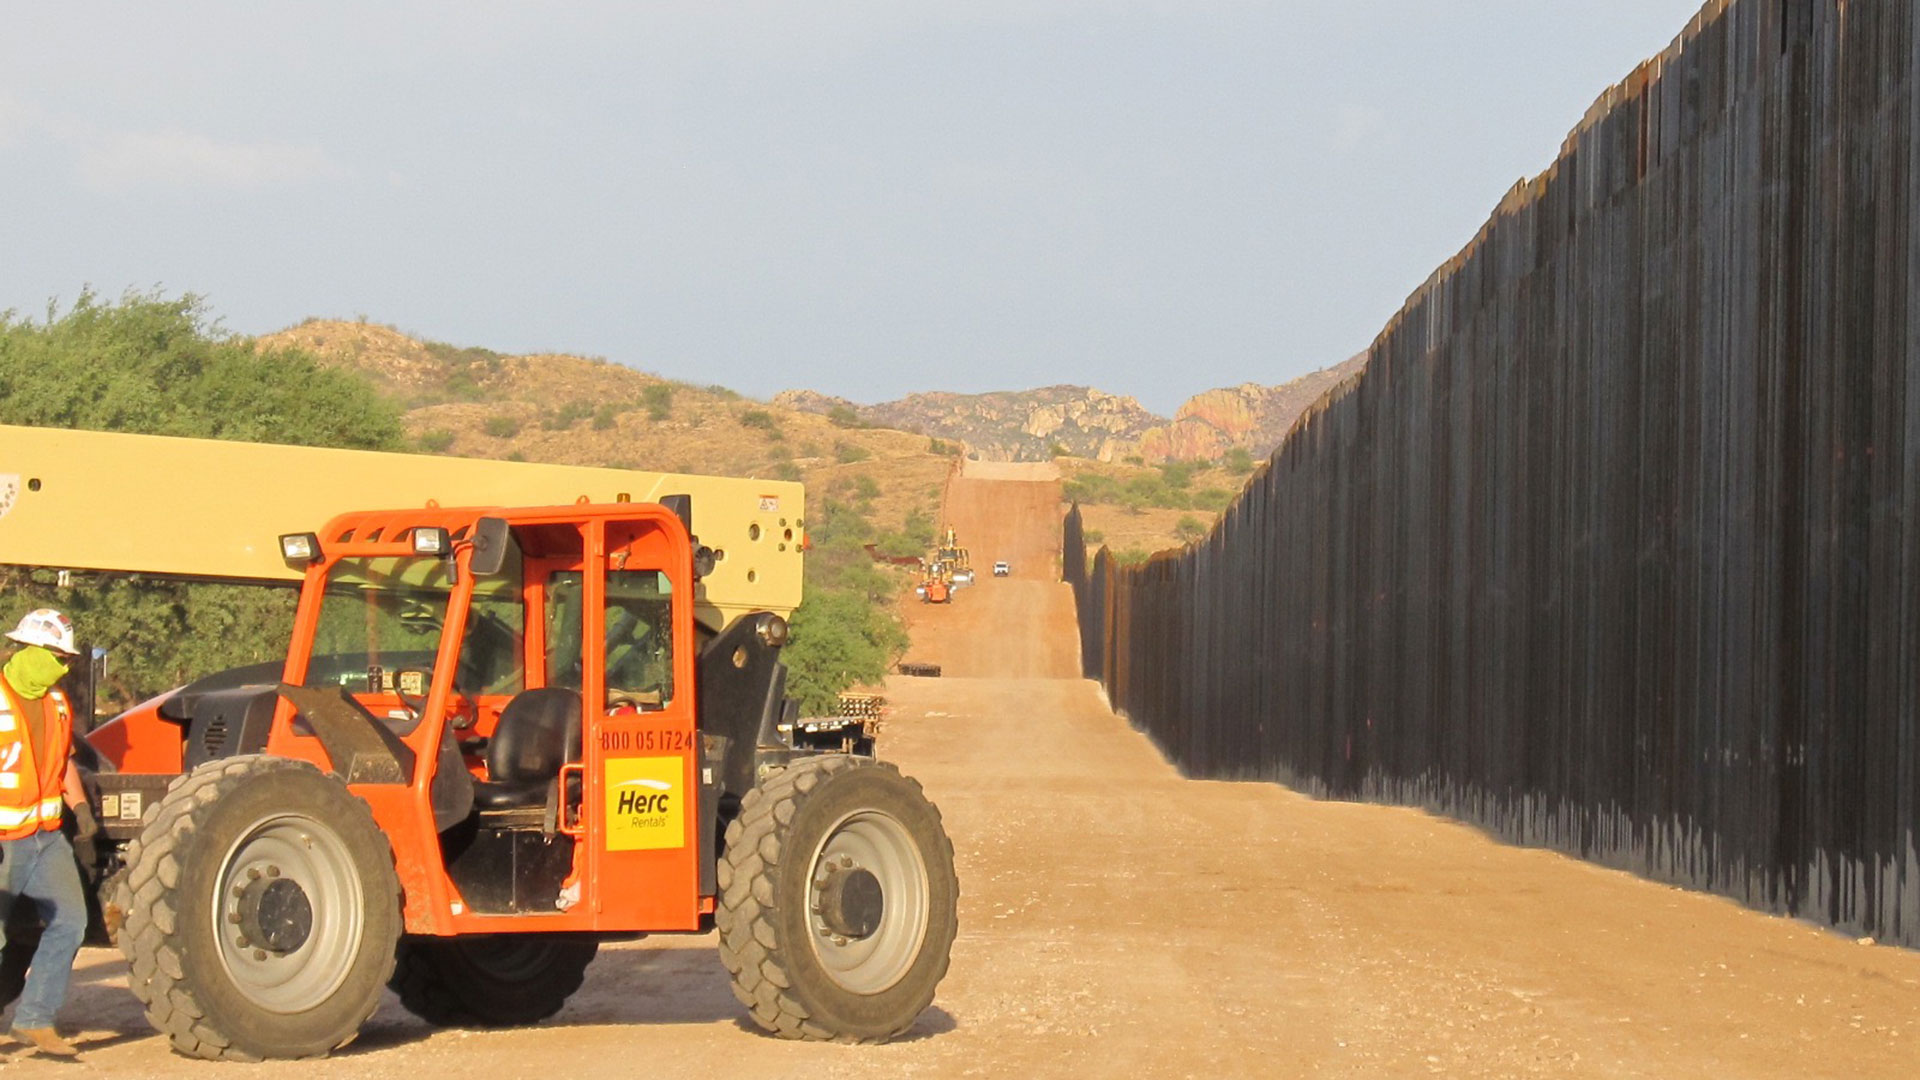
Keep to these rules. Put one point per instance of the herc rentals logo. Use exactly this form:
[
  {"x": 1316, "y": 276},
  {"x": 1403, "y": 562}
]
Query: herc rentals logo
[{"x": 646, "y": 807}]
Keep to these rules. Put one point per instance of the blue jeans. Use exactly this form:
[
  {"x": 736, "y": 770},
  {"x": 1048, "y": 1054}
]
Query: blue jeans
[{"x": 40, "y": 868}]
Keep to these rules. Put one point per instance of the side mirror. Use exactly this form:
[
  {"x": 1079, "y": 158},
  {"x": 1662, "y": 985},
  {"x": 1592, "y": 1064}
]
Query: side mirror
[
  {"x": 680, "y": 506},
  {"x": 491, "y": 538}
]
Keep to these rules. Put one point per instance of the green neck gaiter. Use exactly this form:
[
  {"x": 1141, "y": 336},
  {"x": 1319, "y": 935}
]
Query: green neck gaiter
[{"x": 33, "y": 671}]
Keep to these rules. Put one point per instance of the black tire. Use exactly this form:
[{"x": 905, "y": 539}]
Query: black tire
[
  {"x": 490, "y": 980},
  {"x": 808, "y": 959},
  {"x": 264, "y": 912},
  {"x": 23, "y": 937}
]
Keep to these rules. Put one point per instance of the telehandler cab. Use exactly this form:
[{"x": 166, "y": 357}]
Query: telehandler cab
[{"x": 499, "y": 738}]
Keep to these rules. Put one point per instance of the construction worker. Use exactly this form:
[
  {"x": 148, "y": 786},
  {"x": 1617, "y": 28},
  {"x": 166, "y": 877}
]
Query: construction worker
[{"x": 37, "y": 776}]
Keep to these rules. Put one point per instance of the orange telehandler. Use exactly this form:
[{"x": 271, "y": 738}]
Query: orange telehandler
[{"x": 501, "y": 736}]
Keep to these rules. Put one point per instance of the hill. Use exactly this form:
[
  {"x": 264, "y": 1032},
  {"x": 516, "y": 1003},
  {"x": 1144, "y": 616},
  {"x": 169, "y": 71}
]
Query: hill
[
  {"x": 1148, "y": 482},
  {"x": 475, "y": 402},
  {"x": 1079, "y": 421}
]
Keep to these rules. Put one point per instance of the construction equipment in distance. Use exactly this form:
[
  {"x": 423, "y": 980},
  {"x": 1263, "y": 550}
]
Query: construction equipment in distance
[
  {"x": 500, "y": 736},
  {"x": 959, "y": 565},
  {"x": 936, "y": 584}
]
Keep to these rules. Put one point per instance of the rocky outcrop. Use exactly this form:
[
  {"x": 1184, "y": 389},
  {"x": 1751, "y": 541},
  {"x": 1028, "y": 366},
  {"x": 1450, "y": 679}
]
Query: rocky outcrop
[
  {"x": 1034, "y": 425},
  {"x": 1028, "y": 425},
  {"x": 812, "y": 401},
  {"x": 1249, "y": 416},
  {"x": 1186, "y": 439}
]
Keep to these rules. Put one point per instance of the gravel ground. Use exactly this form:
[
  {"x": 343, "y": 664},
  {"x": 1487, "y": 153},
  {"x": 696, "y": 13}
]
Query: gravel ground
[{"x": 1117, "y": 920}]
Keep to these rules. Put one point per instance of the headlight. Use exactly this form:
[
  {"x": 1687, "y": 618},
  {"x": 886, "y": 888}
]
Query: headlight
[{"x": 301, "y": 548}]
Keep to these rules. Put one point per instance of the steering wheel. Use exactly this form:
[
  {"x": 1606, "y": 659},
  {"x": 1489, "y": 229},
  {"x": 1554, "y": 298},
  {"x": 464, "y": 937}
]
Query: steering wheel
[{"x": 458, "y": 714}]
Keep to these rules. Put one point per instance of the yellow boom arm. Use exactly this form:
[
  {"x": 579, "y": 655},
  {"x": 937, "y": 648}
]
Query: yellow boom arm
[{"x": 204, "y": 508}]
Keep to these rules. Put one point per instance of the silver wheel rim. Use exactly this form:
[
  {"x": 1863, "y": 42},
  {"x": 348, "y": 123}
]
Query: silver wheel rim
[
  {"x": 313, "y": 857},
  {"x": 879, "y": 844}
]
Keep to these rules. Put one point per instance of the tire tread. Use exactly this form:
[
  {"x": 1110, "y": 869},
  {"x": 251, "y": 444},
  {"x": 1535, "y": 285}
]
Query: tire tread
[
  {"x": 157, "y": 975},
  {"x": 750, "y": 946}
]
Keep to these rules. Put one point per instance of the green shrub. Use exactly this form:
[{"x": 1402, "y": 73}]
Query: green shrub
[
  {"x": 847, "y": 453},
  {"x": 762, "y": 420},
  {"x": 437, "y": 441},
  {"x": 463, "y": 372},
  {"x": 568, "y": 415},
  {"x": 786, "y": 470},
  {"x": 606, "y": 416},
  {"x": 919, "y": 527},
  {"x": 1237, "y": 459},
  {"x": 501, "y": 427},
  {"x": 1189, "y": 528},
  {"x": 844, "y": 416},
  {"x": 658, "y": 399},
  {"x": 1147, "y": 489},
  {"x": 898, "y": 545},
  {"x": 1212, "y": 498}
]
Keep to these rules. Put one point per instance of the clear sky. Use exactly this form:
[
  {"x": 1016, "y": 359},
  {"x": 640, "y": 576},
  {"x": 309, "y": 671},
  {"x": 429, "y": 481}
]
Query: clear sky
[{"x": 860, "y": 197}]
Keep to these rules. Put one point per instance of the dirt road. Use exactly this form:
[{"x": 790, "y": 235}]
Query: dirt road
[
  {"x": 1118, "y": 921},
  {"x": 1002, "y": 628}
]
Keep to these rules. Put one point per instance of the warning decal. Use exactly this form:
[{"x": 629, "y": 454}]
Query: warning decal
[{"x": 645, "y": 803}]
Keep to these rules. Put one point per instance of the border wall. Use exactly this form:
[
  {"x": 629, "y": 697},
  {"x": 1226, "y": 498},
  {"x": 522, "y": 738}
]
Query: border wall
[{"x": 1614, "y": 547}]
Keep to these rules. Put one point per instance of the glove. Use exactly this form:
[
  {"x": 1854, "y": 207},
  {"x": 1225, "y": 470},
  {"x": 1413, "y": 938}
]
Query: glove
[
  {"x": 85, "y": 826},
  {"x": 86, "y": 842}
]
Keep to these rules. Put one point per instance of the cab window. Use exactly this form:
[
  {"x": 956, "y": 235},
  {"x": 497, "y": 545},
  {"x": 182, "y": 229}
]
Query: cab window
[
  {"x": 639, "y": 632},
  {"x": 639, "y": 620}
]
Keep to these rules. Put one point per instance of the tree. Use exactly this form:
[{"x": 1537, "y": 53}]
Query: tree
[
  {"x": 155, "y": 365},
  {"x": 839, "y": 639},
  {"x": 842, "y": 633},
  {"x": 161, "y": 366}
]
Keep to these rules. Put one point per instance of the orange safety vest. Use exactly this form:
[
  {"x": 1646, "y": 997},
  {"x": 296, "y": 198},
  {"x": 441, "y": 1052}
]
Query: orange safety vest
[{"x": 31, "y": 791}]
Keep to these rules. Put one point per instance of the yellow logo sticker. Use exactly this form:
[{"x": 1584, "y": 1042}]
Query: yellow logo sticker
[{"x": 646, "y": 804}]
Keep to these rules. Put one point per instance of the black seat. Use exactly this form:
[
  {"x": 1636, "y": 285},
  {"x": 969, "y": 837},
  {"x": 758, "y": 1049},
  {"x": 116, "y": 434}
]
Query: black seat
[{"x": 538, "y": 732}]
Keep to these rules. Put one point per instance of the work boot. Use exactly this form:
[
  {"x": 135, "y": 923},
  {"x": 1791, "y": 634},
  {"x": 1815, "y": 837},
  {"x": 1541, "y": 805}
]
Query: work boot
[{"x": 45, "y": 1041}]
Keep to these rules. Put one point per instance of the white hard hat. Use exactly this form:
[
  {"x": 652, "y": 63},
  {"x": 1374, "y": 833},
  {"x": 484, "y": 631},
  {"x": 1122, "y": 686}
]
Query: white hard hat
[{"x": 45, "y": 626}]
